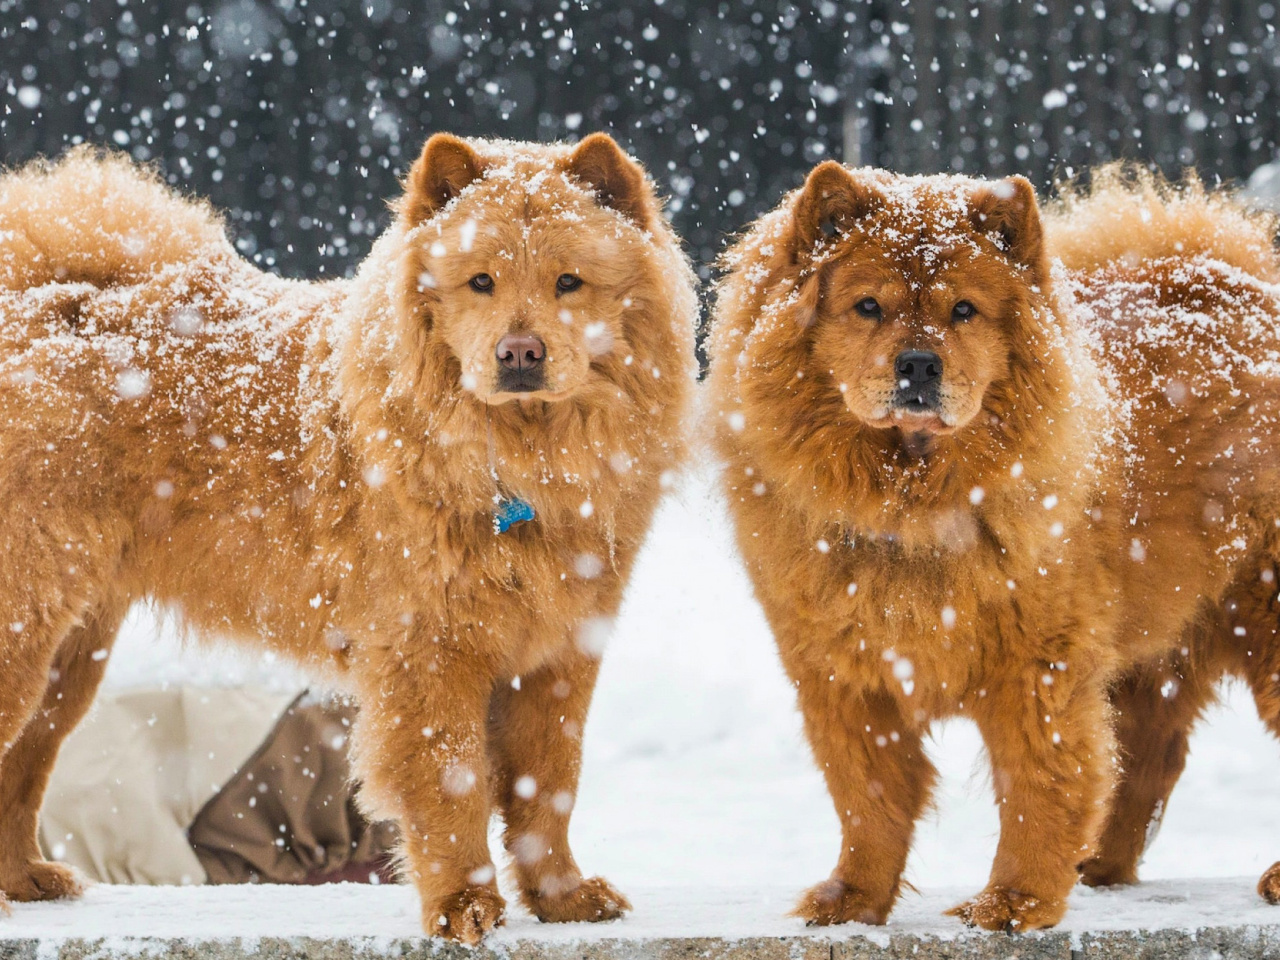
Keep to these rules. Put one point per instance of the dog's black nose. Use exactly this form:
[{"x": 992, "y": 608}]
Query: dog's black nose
[
  {"x": 916, "y": 368},
  {"x": 520, "y": 351}
]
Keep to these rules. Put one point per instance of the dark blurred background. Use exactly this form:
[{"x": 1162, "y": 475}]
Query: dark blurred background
[{"x": 298, "y": 116}]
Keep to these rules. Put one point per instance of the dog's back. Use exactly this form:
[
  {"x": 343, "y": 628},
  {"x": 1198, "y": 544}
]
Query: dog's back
[
  {"x": 1175, "y": 284},
  {"x": 114, "y": 288},
  {"x": 148, "y": 374}
]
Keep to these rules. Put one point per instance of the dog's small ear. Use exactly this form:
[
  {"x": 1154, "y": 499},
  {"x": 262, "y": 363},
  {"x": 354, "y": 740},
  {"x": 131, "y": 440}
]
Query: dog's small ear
[
  {"x": 616, "y": 180},
  {"x": 445, "y": 168},
  {"x": 1008, "y": 211},
  {"x": 832, "y": 200}
]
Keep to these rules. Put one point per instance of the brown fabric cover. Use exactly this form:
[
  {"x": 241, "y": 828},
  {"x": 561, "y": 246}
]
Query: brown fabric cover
[{"x": 289, "y": 814}]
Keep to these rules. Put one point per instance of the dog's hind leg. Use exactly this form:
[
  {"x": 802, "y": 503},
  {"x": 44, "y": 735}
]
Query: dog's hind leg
[
  {"x": 73, "y": 680},
  {"x": 1261, "y": 668},
  {"x": 27, "y": 651},
  {"x": 1243, "y": 638},
  {"x": 535, "y": 742},
  {"x": 1154, "y": 707}
]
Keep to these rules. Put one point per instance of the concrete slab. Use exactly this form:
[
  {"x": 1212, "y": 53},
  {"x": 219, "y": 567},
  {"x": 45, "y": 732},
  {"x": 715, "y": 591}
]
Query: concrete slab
[{"x": 1195, "y": 919}]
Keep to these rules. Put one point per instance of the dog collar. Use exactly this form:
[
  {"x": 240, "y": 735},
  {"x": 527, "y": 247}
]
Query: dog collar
[{"x": 509, "y": 512}]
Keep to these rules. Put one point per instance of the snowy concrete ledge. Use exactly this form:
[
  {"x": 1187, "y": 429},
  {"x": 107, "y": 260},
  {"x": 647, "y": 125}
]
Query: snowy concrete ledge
[{"x": 1199, "y": 920}]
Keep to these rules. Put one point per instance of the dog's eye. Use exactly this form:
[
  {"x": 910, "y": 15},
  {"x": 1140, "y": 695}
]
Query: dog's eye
[
  {"x": 482, "y": 283},
  {"x": 964, "y": 310},
  {"x": 567, "y": 283},
  {"x": 868, "y": 308}
]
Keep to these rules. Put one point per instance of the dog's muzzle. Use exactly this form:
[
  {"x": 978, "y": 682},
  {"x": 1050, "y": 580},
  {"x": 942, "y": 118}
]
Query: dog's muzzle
[
  {"x": 520, "y": 359},
  {"x": 919, "y": 374}
]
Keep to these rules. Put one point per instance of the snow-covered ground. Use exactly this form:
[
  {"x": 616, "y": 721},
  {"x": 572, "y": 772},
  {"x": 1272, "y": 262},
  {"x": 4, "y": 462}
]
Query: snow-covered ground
[
  {"x": 697, "y": 774},
  {"x": 730, "y": 912}
]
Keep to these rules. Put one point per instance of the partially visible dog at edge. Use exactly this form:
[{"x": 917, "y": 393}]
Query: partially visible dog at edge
[
  {"x": 428, "y": 482},
  {"x": 1020, "y": 469}
]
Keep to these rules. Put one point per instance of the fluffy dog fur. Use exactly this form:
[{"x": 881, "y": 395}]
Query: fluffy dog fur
[
  {"x": 314, "y": 468},
  {"x": 1091, "y": 504}
]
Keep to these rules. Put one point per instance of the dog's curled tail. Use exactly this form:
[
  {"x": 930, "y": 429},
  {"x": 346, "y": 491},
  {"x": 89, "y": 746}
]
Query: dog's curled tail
[
  {"x": 1127, "y": 213},
  {"x": 96, "y": 217}
]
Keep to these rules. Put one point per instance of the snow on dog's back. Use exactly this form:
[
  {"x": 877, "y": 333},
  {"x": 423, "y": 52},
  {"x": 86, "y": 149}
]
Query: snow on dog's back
[{"x": 97, "y": 218}]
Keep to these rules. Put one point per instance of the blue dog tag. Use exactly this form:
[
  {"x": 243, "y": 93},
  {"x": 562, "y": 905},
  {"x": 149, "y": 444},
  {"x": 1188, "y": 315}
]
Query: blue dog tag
[{"x": 509, "y": 513}]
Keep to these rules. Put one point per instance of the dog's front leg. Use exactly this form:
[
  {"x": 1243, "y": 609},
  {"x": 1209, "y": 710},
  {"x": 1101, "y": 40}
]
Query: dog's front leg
[
  {"x": 420, "y": 752},
  {"x": 879, "y": 778},
  {"x": 536, "y": 730},
  {"x": 1052, "y": 752}
]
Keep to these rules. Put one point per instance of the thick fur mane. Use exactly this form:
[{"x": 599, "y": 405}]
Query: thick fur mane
[{"x": 616, "y": 434}]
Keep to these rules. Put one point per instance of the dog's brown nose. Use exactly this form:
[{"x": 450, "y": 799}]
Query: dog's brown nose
[{"x": 521, "y": 351}]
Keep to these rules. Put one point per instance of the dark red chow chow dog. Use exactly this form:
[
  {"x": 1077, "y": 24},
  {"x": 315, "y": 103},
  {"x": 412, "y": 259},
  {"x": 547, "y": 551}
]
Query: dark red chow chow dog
[{"x": 967, "y": 483}]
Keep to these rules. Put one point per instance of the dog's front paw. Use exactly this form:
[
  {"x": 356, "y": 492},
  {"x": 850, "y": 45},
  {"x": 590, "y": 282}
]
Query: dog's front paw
[
  {"x": 465, "y": 916},
  {"x": 996, "y": 908},
  {"x": 591, "y": 900},
  {"x": 1269, "y": 885},
  {"x": 834, "y": 901},
  {"x": 40, "y": 880}
]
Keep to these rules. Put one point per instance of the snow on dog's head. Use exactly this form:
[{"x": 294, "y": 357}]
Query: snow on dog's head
[
  {"x": 887, "y": 345},
  {"x": 914, "y": 287},
  {"x": 522, "y": 260},
  {"x": 530, "y": 310}
]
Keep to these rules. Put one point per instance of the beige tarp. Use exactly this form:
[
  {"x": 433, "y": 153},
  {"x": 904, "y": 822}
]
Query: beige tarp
[
  {"x": 134, "y": 775},
  {"x": 196, "y": 785}
]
